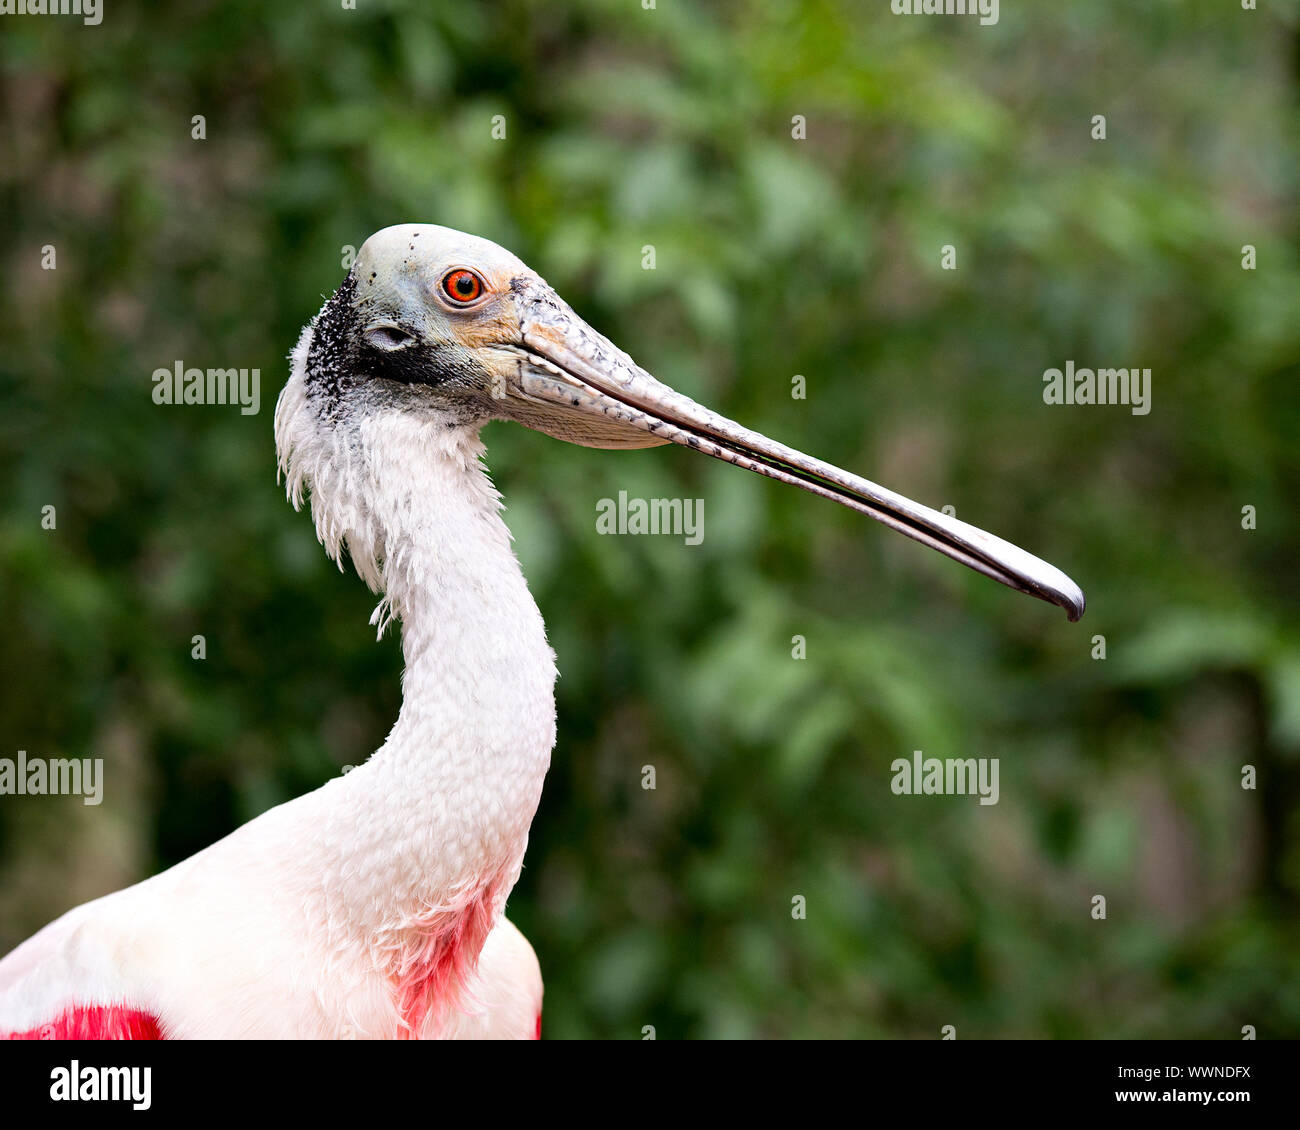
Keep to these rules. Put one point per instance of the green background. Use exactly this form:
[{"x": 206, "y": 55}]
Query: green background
[{"x": 672, "y": 127}]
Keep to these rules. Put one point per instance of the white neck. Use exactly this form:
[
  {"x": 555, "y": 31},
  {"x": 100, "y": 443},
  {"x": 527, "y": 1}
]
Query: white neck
[{"x": 419, "y": 846}]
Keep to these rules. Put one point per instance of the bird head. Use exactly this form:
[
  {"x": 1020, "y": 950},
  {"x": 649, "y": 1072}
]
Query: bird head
[{"x": 453, "y": 329}]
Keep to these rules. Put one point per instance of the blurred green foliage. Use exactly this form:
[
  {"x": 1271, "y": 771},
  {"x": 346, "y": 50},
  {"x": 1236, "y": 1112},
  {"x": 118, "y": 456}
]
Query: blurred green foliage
[{"x": 775, "y": 257}]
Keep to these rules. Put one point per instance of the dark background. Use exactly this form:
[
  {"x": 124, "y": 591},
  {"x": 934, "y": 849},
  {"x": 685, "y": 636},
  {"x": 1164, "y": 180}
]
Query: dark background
[{"x": 775, "y": 257}]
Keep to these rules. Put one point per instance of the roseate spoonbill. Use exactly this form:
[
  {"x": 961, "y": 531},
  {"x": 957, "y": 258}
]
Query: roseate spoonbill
[{"x": 372, "y": 907}]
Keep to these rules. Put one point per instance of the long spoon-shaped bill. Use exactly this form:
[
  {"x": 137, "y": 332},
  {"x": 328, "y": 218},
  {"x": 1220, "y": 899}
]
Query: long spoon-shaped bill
[{"x": 565, "y": 365}]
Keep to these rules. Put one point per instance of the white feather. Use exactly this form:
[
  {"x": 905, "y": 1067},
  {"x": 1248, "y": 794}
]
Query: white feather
[{"x": 302, "y": 922}]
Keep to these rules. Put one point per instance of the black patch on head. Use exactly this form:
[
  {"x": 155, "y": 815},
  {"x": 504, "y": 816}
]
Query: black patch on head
[
  {"x": 328, "y": 359},
  {"x": 341, "y": 359},
  {"x": 414, "y": 364}
]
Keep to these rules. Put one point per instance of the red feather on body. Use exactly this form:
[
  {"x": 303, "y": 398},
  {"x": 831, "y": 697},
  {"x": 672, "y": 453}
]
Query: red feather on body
[{"x": 94, "y": 1022}]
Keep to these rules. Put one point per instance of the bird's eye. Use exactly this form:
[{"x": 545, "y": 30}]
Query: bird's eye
[{"x": 462, "y": 285}]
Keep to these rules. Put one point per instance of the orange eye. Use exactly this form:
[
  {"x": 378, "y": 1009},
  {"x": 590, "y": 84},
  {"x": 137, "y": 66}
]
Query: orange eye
[{"x": 462, "y": 285}]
